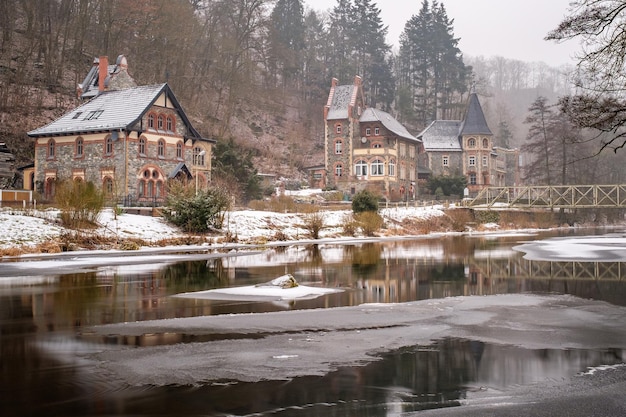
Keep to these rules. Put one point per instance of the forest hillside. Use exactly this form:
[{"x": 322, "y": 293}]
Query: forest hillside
[{"x": 254, "y": 71}]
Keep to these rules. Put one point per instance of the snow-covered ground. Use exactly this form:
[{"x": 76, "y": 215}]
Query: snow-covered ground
[{"x": 30, "y": 228}]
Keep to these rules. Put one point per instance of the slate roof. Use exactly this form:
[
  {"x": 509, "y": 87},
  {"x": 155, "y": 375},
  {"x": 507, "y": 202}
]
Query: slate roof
[
  {"x": 391, "y": 124},
  {"x": 474, "y": 122},
  {"x": 112, "y": 110},
  {"x": 442, "y": 135},
  {"x": 340, "y": 102}
]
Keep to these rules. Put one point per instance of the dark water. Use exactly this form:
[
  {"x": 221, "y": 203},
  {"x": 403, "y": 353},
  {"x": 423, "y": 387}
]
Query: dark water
[{"x": 42, "y": 346}]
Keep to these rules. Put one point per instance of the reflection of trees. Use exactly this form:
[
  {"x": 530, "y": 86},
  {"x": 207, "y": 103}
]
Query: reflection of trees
[
  {"x": 447, "y": 272},
  {"x": 196, "y": 275},
  {"x": 366, "y": 257}
]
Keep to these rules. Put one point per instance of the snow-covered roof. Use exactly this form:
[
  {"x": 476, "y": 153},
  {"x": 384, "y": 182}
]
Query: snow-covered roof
[
  {"x": 340, "y": 102},
  {"x": 442, "y": 135},
  {"x": 388, "y": 121},
  {"x": 111, "y": 110}
]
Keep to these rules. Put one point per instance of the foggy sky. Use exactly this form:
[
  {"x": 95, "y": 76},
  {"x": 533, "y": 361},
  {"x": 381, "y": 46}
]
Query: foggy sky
[{"x": 513, "y": 29}]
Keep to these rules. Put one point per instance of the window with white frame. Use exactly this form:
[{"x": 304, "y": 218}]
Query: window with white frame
[
  {"x": 472, "y": 178},
  {"x": 338, "y": 129},
  {"x": 377, "y": 167},
  {"x": 338, "y": 170},
  {"x": 360, "y": 168},
  {"x": 368, "y": 131},
  {"x": 392, "y": 168},
  {"x": 471, "y": 143},
  {"x": 445, "y": 160},
  {"x": 485, "y": 161},
  {"x": 338, "y": 146},
  {"x": 472, "y": 161},
  {"x": 377, "y": 131}
]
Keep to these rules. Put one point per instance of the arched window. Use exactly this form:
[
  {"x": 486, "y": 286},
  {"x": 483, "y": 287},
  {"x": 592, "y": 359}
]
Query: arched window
[
  {"x": 338, "y": 128},
  {"x": 471, "y": 143},
  {"x": 377, "y": 145},
  {"x": 338, "y": 170},
  {"x": 377, "y": 167},
  {"x": 142, "y": 146},
  {"x": 485, "y": 143},
  {"x": 161, "y": 148},
  {"x": 107, "y": 186},
  {"x": 51, "y": 149},
  {"x": 79, "y": 147},
  {"x": 150, "y": 190},
  {"x": 151, "y": 121},
  {"x": 179, "y": 150},
  {"x": 338, "y": 146},
  {"x": 392, "y": 168},
  {"x": 170, "y": 123},
  {"x": 108, "y": 146},
  {"x": 360, "y": 168},
  {"x": 160, "y": 122},
  {"x": 159, "y": 189}
]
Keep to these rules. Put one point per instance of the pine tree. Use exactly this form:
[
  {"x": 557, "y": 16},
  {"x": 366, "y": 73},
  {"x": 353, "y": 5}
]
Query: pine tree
[
  {"x": 371, "y": 54},
  {"x": 287, "y": 38},
  {"x": 431, "y": 65}
]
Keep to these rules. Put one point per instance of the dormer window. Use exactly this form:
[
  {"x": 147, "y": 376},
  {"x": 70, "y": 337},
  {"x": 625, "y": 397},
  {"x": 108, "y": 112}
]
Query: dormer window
[
  {"x": 151, "y": 121},
  {"x": 471, "y": 143},
  {"x": 170, "y": 124},
  {"x": 160, "y": 122},
  {"x": 93, "y": 115},
  {"x": 485, "y": 143}
]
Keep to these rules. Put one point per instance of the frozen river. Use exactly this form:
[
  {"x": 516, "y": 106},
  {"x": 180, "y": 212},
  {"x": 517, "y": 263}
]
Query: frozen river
[{"x": 431, "y": 326}]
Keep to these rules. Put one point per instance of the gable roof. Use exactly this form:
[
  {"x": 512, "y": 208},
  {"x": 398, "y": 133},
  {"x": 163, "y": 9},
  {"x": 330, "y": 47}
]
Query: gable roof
[
  {"x": 339, "y": 101},
  {"x": 442, "y": 135},
  {"x": 113, "y": 110},
  {"x": 474, "y": 122},
  {"x": 391, "y": 124}
]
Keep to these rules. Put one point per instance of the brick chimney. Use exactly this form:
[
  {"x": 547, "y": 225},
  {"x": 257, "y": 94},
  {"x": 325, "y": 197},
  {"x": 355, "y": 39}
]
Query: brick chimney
[{"x": 103, "y": 72}]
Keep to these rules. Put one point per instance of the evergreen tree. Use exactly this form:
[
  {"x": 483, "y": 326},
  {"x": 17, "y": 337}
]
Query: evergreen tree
[
  {"x": 287, "y": 38},
  {"x": 431, "y": 65},
  {"x": 371, "y": 54},
  {"x": 341, "y": 36},
  {"x": 234, "y": 170},
  {"x": 315, "y": 72}
]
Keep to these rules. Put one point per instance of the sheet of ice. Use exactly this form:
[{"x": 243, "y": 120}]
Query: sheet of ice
[
  {"x": 606, "y": 248},
  {"x": 319, "y": 341}
]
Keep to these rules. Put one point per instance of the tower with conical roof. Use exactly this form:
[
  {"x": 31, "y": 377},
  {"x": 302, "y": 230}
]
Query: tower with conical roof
[{"x": 477, "y": 144}]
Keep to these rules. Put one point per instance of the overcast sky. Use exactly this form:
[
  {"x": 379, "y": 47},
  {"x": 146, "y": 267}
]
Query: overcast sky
[{"x": 509, "y": 28}]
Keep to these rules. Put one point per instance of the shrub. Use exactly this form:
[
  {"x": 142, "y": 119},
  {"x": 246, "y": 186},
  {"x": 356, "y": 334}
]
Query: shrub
[
  {"x": 80, "y": 203},
  {"x": 369, "y": 222},
  {"x": 487, "y": 216},
  {"x": 314, "y": 223},
  {"x": 349, "y": 225},
  {"x": 196, "y": 211},
  {"x": 459, "y": 218},
  {"x": 364, "y": 201}
]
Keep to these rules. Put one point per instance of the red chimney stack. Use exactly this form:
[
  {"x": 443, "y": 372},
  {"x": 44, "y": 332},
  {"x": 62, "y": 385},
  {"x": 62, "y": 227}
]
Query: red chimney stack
[{"x": 103, "y": 72}]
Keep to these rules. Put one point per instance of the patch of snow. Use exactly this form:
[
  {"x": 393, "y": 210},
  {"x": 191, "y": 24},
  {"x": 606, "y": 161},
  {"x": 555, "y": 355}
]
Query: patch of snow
[{"x": 262, "y": 293}]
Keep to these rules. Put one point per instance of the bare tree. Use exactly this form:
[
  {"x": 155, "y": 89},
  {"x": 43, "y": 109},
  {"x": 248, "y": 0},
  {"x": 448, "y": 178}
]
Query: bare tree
[{"x": 600, "y": 99}]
